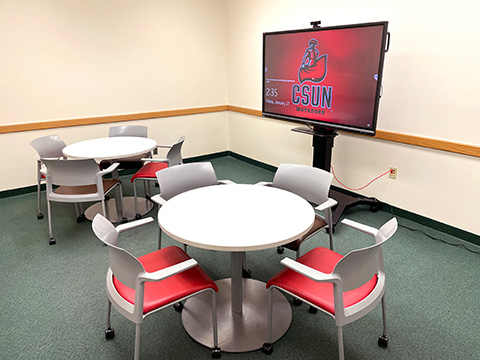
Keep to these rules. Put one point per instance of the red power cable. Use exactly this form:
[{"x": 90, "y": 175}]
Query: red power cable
[{"x": 363, "y": 187}]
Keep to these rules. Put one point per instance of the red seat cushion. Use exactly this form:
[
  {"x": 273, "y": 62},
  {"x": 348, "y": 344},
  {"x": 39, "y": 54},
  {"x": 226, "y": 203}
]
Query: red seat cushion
[
  {"x": 160, "y": 293},
  {"x": 319, "y": 294},
  {"x": 148, "y": 170}
]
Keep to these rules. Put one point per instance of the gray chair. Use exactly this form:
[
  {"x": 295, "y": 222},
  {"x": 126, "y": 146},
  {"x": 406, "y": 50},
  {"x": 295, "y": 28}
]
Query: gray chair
[
  {"x": 344, "y": 287},
  {"x": 77, "y": 181},
  {"x": 138, "y": 287},
  {"x": 49, "y": 146},
  {"x": 148, "y": 171},
  {"x": 178, "y": 179},
  {"x": 313, "y": 185},
  {"x": 134, "y": 162}
]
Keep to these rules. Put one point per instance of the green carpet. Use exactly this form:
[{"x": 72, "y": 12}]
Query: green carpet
[{"x": 53, "y": 302}]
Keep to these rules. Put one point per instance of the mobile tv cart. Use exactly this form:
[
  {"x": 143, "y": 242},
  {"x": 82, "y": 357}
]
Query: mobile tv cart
[{"x": 322, "y": 143}]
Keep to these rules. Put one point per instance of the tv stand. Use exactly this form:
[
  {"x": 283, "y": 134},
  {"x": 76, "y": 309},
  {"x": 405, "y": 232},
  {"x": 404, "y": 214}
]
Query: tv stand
[{"x": 322, "y": 143}]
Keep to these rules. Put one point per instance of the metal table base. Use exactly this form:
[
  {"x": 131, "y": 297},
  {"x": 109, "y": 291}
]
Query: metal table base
[
  {"x": 144, "y": 206},
  {"x": 242, "y": 332}
]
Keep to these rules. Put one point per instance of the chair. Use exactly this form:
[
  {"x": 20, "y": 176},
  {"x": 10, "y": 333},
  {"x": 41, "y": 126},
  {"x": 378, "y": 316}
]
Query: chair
[
  {"x": 49, "y": 146},
  {"x": 178, "y": 179},
  {"x": 148, "y": 171},
  {"x": 313, "y": 185},
  {"x": 138, "y": 287},
  {"x": 76, "y": 181},
  {"x": 345, "y": 287},
  {"x": 134, "y": 162}
]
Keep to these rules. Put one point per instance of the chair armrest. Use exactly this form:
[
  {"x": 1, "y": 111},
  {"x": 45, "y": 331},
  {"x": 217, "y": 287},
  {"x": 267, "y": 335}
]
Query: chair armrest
[
  {"x": 264, "y": 183},
  {"x": 158, "y": 199},
  {"x": 156, "y": 160},
  {"x": 109, "y": 169},
  {"x": 327, "y": 204},
  {"x": 164, "y": 146},
  {"x": 361, "y": 227},
  {"x": 309, "y": 272},
  {"x": 133, "y": 224},
  {"x": 226, "y": 182},
  {"x": 167, "y": 272}
]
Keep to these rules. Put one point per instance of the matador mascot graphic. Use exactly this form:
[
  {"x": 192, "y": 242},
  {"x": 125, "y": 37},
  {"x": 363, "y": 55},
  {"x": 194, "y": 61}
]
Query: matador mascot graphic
[{"x": 314, "y": 65}]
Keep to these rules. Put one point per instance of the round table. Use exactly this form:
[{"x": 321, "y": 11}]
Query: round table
[
  {"x": 236, "y": 218},
  {"x": 113, "y": 148}
]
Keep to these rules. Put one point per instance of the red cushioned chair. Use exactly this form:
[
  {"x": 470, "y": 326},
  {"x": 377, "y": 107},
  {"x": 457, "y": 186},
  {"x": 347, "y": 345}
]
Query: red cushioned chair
[
  {"x": 138, "y": 287},
  {"x": 345, "y": 287},
  {"x": 152, "y": 165}
]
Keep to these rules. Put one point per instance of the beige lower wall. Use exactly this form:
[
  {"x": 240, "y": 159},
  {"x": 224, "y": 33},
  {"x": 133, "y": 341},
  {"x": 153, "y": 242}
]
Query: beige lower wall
[
  {"x": 436, "y": 184},
  {"x": 205, "y": 134}
]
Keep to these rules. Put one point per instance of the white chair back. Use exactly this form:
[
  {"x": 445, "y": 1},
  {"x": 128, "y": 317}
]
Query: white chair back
[
  {"x": 310, "y": 183},
  {"x": 124, "y": 265},
  {"x": 178, "y": 179},
  {"x": 128, "y": 130},
  {"x": 174, "y": 155},
  {"x": 359, "y": 266},
  {"x": 49, "y": 146},
  {"x": 74, "y": 172}
]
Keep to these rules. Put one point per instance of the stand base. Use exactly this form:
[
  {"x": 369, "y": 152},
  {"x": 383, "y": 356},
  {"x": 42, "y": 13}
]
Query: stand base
[
  {"x": 345, "y": 201},
  {"x": 237, "y": 332},
  {"x": 144, "y": 206}
]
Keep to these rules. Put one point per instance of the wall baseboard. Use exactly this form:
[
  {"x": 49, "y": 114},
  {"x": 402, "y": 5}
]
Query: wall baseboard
[{"x": 433, "y": 224}]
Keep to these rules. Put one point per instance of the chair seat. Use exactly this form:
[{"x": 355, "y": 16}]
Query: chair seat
[
  {"x": 169, "y": 290},
  {"x": 85, "y": 189},
  {"x": 317, "y": 225},
  {"x": 319, "y": 294},
  {"x": 148, "y": 170}
]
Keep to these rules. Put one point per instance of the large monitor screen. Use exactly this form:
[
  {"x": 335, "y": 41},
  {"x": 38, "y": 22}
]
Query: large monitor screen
[{"x": 326, "y": 77}]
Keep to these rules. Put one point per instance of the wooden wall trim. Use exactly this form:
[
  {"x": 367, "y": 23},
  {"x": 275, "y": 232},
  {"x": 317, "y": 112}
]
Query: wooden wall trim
[
  {"x": 450, "y": 146},
  {"x": 430, "y": 143},
  {"x": 53, "y": 124}
]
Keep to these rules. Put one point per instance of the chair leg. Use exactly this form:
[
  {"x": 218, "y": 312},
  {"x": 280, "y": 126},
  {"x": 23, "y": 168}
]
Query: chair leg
[
  {"x": 52, "y": 241},
  {"x": 137, "y": 342},
  {"x": 267, "y": 347},
  {"x": 109, "y": 333},
  {"x": 328, "y": 215},
  {"x": 383, "y": 339},
  {"x": 159, "y": 238},
  {"x": 216, "y": 353},
  {"x": 137, "y": 213},
  {"x": 39, "y": 190},
  {"x": 341, "y": 355}
]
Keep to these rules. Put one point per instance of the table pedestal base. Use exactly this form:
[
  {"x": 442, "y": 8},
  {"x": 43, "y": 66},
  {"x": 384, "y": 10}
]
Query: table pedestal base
[
  {"x": 237, "y": 332},
  {"x": 144, "y": 206}
]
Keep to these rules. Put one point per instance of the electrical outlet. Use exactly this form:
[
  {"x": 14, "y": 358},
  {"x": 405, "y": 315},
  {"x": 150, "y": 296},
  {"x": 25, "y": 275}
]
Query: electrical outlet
[{"x": 393, "y": 172}]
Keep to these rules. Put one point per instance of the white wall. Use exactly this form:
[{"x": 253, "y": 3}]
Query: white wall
[
  {"x": 430, "y": 89},
  {"x": 72, "y": 59}
]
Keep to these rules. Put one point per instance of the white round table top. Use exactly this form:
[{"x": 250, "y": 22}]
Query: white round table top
[
  {"x": 236, "y": 217},
  {"x": 109, "y": 148}
]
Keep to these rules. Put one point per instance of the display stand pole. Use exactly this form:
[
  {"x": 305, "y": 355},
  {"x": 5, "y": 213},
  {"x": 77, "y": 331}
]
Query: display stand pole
[{"x": 322, "y": 143}]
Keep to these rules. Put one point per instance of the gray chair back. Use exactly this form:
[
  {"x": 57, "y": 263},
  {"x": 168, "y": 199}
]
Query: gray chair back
[
  {"x": 74, "y": 172},
  {"x": 178, "y": 179},
  {"x": 174, "y": 155},
  {"x": 49, "y": 146},
  {"x": 310, "y": 183},
  {"x": 128, "y": 130}
]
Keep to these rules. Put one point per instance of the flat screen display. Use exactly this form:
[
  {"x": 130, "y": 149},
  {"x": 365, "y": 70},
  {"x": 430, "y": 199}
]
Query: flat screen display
[{"x": 326, "y": 77}]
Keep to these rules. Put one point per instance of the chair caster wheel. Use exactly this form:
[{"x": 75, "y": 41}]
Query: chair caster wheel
[
  {"x": 246, "y": 273},
  {"x": 40, "y": 216},
  {"x": 312, "y": 310},
  {"x": 327, "y": 230},
  {"x": 148, "y": 197},
  {"x": 383, "y": 341},
  {"x": 138, "y": 216},
  {"x": 280, "y": 249},
  {"x": 216, "y": 353},
  {"x": 296, "y": 302},
  {"x": 124, "y": 220},
  {"x": 109, "y": 333},
  {"x": 107, "y": 197},
  {"x": 267, "y": 348},
  {"x": 52, "y": 241},
  {"x": 81, "y": 218},
  {"x": 178, "y": 307}
]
